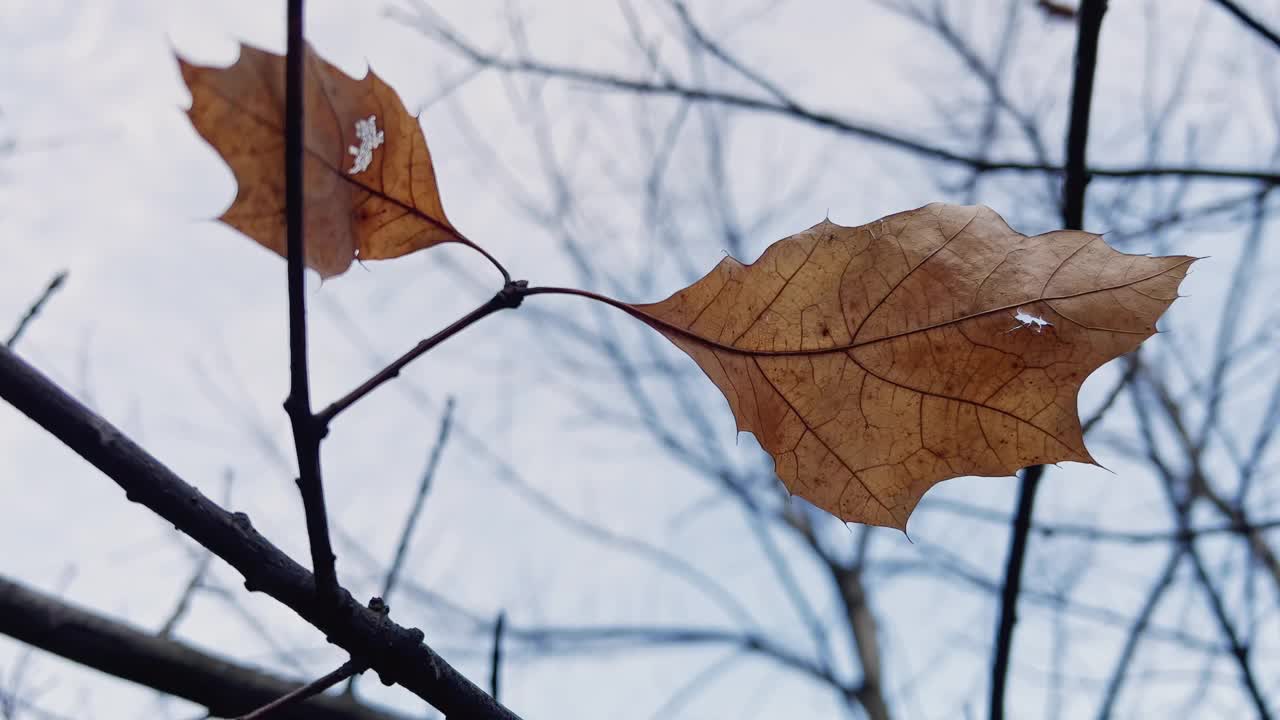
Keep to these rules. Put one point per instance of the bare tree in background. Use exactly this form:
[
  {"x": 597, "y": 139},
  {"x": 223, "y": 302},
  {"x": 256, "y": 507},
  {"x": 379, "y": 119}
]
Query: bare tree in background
[
  {"x": 998, "y": 138},
  {"x": 1170, "y": 605}
]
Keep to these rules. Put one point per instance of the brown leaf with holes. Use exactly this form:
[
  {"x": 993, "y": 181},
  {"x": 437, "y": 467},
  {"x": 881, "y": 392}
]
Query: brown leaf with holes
[
  {"x": 369, "y": 187},
  {"x": 874, "y": 362}
]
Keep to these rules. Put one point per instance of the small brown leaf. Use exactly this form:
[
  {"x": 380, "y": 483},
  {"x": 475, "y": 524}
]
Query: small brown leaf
[
  {"x": 874, "y": 362},
  {"x": 369, "y": 185}
]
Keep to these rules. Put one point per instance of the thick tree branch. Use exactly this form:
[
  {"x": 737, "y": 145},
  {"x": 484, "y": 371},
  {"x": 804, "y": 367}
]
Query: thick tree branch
[
  {"x": 1090, "y": 26},
  {"x": 396, "y": 653},
  {"x": 1012, "y": 587},
  {"x": 1077, "y": 172},
  {"x": 169, "y": 666}
]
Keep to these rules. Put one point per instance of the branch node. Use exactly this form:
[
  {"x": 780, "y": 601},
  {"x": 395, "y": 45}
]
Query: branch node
[
  {"x": 511, "y": 294},
  {"x": 379, "y": 606}
]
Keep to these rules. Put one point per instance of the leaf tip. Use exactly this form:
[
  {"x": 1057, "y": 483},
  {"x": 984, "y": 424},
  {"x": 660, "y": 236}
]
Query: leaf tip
[{"x": 826, "y": 224}]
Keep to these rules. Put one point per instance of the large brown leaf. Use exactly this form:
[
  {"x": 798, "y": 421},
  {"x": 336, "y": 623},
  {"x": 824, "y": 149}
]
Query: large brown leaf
[
  {"x": 370, "y": 189},
  {"x": 874, "y": 362}
]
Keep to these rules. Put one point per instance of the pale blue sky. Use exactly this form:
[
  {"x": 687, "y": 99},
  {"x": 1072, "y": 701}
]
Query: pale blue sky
[{"x": 173, "y": 327}]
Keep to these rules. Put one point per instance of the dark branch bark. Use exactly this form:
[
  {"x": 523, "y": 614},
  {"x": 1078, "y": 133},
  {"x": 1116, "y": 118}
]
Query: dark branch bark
[
  {"x": 396, "y": 653},
  {"x": 1077, "y": 174},
  {"x": 1251, "y": 22},
  {"x": 307, "y": 432},
  {"x": 1012, "y": 587},
  {"x": 1090, "y": 25},
  {"x": 796, "y": 111},
  {"x": 36, "y": 307},
  {"x": 495, "y": 660},
  {"x": 226, "y": 689}
]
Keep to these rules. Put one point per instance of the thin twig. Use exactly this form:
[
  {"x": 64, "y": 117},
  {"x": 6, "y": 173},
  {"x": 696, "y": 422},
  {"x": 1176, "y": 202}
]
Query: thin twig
[
  {"x": 1239, "y": 650},
  {"x": 509, "y": 297},
  {"x": 1236, "y": 515},
  {"x": 1092, "y": 533},
  {"x": 1137, "y": 630},
  {"x": 411, "y": 522},
  {"x": 315, "y": 687},
  {"x": 188, "y": 593},
  {"x": 1091, "y": 12},
  {"x": 1180, "y": 505},
  {"x": 802, "y": 113},
  {"x": 703, "y": 40},
  {"x": 36, "y": 307},
  {"x": 495, "y": 661},
  {"x": 307, "y": 433},
  {"x": 1253, "y": 24},
  {"x": 1130, "y": 371}
]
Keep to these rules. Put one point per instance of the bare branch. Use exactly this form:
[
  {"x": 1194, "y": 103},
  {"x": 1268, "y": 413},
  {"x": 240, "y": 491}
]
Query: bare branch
[
  {"x": 1163, "y": 582},
  {"x": 397, "y": 653},
  {"x": 197, "y": 577},
  {"x": 277, "y": 707},
  {"x": 36, "y": 307},
  {"x": 495, "y": 661},
  {"x": 509, "y": 297},
  {"x": 1180, "y": 501},
  {"x": 170, "y": 666},
  {"x": 411, "y": 522},
  {"x": 307, "y": 433},
  {"x": 1090, "y": 25},
  {"x": 1250, "y": 22},
  {"x": 799, "y": 112}
]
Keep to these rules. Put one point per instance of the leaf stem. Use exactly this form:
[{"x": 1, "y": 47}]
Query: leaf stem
[
  {"x": 506, "y": 276},
  {"x": 307, "y": 433}
]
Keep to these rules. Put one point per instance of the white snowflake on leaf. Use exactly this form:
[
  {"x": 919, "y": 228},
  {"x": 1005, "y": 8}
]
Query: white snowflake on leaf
[{"x": 370, "y": 138}]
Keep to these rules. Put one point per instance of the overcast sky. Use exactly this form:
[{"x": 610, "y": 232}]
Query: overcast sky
[{"x": 173, "y": 326}]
